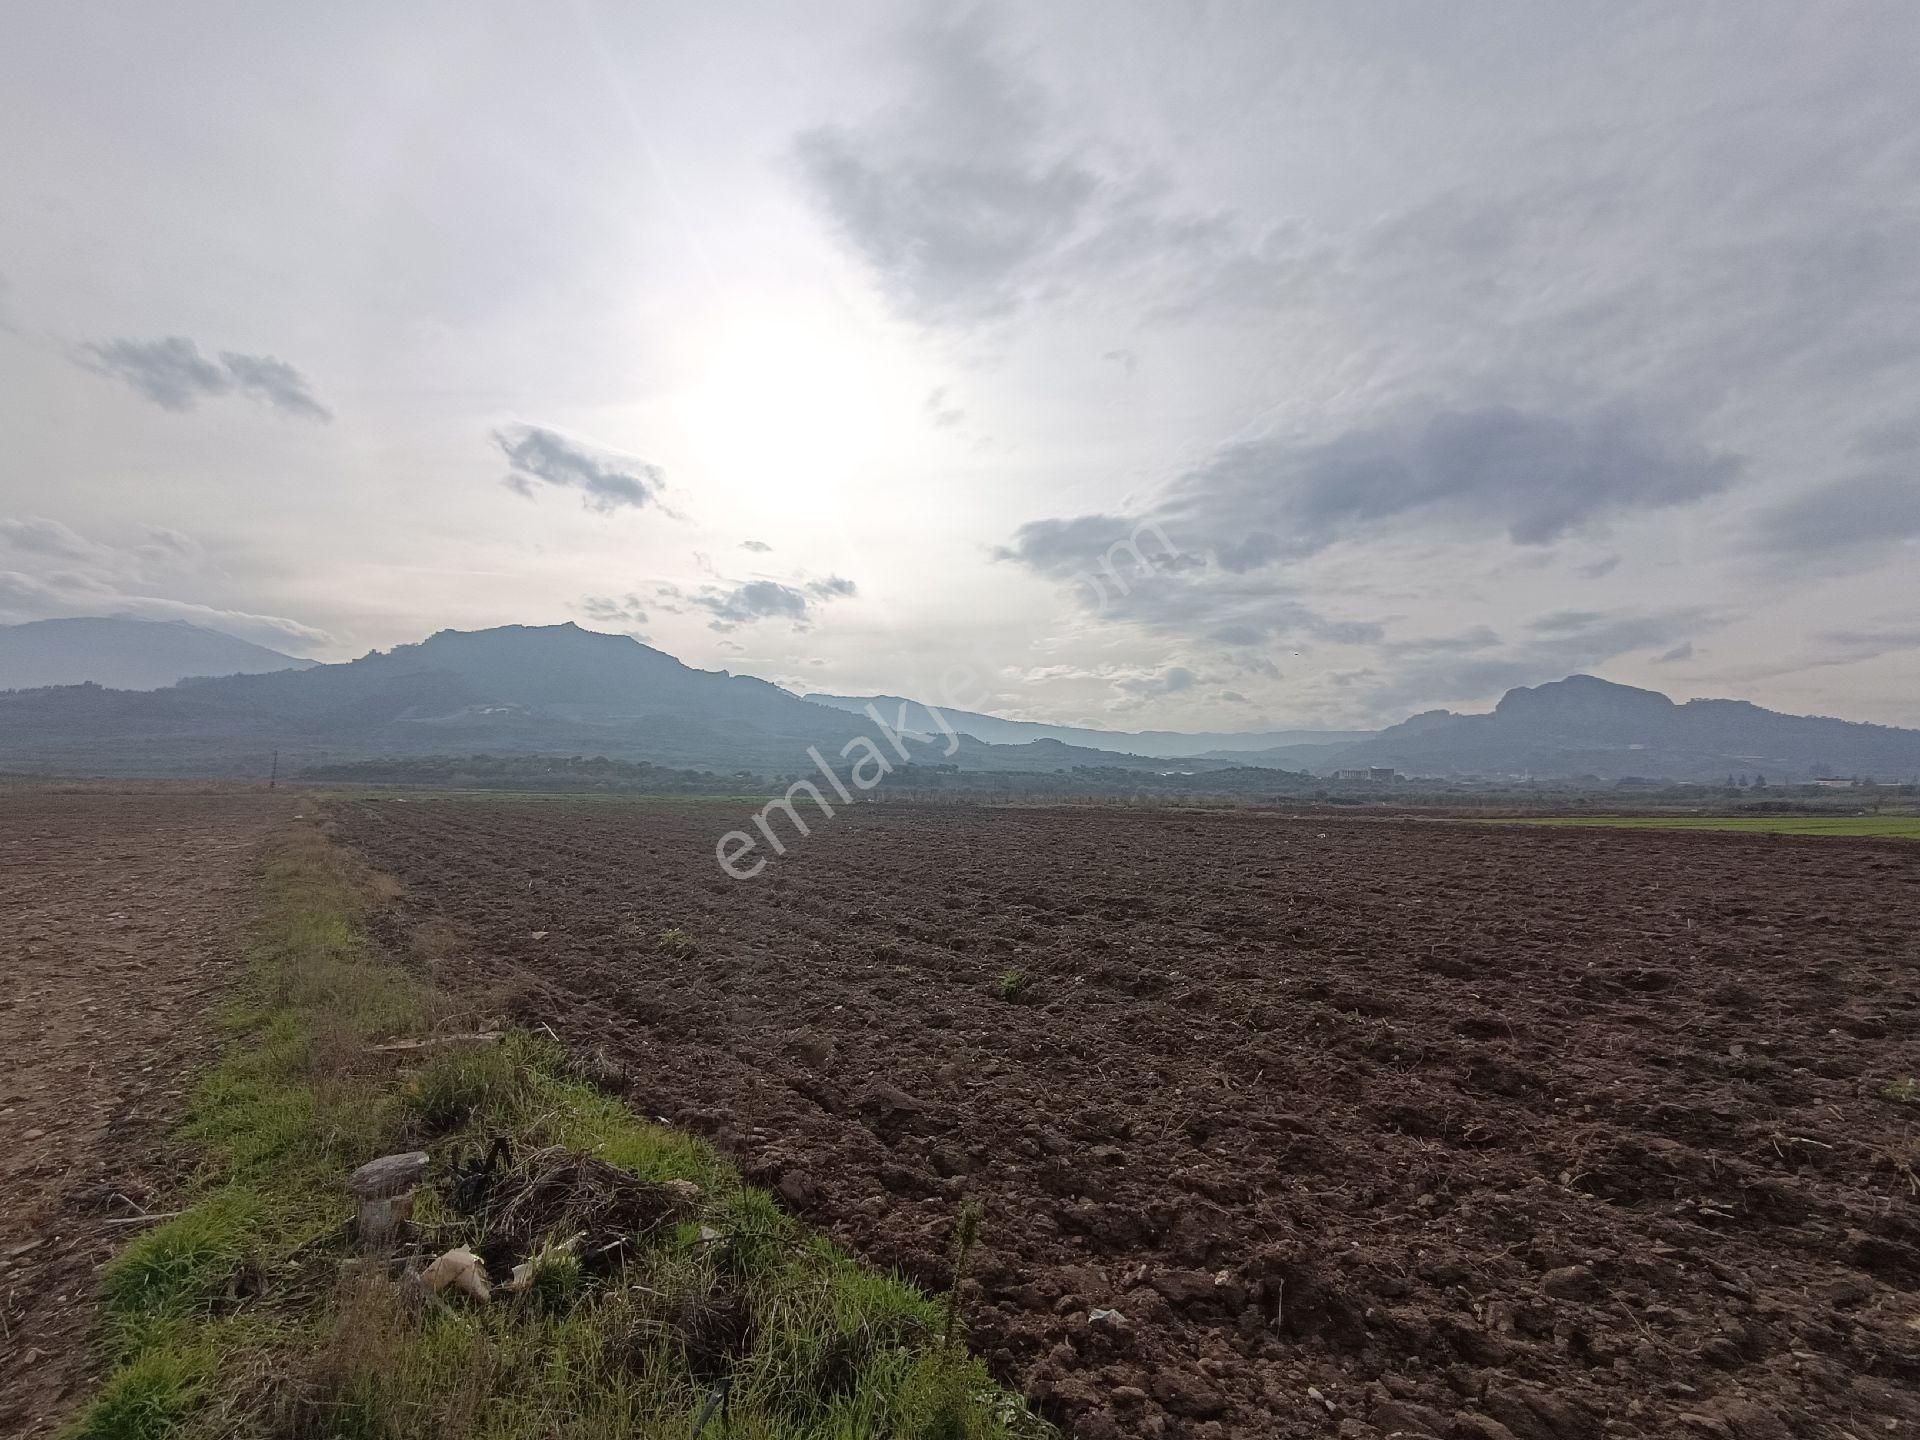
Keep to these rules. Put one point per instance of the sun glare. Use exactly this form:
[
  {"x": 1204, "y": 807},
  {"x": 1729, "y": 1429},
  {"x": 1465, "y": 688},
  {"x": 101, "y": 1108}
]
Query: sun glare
[{"x": 786, "y": 410}]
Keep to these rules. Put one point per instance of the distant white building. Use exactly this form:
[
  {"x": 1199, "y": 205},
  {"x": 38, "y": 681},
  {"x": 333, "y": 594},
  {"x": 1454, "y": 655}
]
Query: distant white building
[{"x": 1834, "y": 782}]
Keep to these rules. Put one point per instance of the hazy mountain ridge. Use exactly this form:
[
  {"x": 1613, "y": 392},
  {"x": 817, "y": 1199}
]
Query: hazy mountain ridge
[
  {"x": 122, "y": 653},
  {"x": 513, "y": 689},
  {"x": 1584, "y": 725},
  {"x": 561, "y": 690}
]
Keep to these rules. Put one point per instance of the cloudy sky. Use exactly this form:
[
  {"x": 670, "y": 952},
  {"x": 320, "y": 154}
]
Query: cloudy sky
[{"x": 1418, "y": 351}]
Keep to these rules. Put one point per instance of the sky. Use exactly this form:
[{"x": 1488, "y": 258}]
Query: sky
[{"x": 1190, "y": 365}]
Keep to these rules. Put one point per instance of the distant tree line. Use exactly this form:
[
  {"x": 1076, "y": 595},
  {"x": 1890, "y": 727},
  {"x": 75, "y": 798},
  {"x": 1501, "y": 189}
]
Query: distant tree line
[
  {"x": 1105, "y": 783},
  {"x": 535, "y": 772}
]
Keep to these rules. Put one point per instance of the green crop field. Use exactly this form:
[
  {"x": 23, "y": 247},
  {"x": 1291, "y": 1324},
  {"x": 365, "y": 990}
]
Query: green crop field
[{"x": 1879, "y": 827}]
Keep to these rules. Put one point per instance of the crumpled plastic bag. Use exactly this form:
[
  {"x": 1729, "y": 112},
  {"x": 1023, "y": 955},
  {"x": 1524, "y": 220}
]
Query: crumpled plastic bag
[{"x": 459, "y": 1269}]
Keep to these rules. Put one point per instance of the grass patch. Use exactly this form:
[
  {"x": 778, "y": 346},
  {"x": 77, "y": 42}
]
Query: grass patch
[
  {"x": 657, "y": 1286},
  {"x": 462, "y": 1087},
  {"x": 180, "y": 1267},
  {"x": 1905, "y": 1091},
  {"x": 1014, "y": 985},
  {"x": 677, "y": 943},
  {"x": 151, "y": 1396}
]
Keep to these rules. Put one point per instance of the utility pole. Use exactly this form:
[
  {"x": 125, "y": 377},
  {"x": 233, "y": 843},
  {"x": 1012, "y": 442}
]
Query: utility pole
[{"x": 274, "y": 778}]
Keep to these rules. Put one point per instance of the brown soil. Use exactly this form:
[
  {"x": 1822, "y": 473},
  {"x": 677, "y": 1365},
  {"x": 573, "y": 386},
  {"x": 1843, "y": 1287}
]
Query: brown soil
[
  {"x": 1364, "y": 1128},
  {"x": 117, "y": 916}
]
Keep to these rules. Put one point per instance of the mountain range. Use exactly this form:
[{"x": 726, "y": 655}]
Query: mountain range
[
  {"x": 554, "y": 689},
  {"x": 1584, "y": 725},
  {"x": 561, "y": 690},
  {"x": 126, "y": 654}
]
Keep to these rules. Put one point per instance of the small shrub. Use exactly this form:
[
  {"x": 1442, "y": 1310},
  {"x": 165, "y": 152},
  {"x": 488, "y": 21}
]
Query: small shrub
[
  {"x": 1014, "y": 985},
  {"x": 677, "y": 943},
  {"x": 1902, "y": 1092}
]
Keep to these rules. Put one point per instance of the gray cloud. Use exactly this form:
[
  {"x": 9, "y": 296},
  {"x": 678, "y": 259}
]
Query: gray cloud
[
  {"x": 37, "y": 535},
  {"x": 1865, "y": 512},
  {"x": 732, "y": 606},
  {"x": 758, "y": 546},
  {"x": 834, "y": 587},
  {"x": 1207, "y": 559},
  {"x": 538, "y": 456},
  {"x": 1136, "y": 572},
  {"x": 49, "y": 571},
  {"x": 943, "y": 415},
  {"x": 627, "y": 612},
  {"x": 755, "y": 600},
  {"x": 1577, "y": 638},
  {"x": 274, "y": 382},
  {"x": 1679, "y": 654},
  {"x": 1847, "y": 646},
  {"x": 174, "y": 375},
  {"x": 1894, "y": 437},
  {"x": 1492, "y": 469},
  {"x": 1480, "y": 665},
  {"x": 1174, "y": 680},
  {"x": 951, "y": 197},
  {"x": 50, "y": 547},
  {"x": 968, "y": 199},
  {"x": 61, "y": 594}
]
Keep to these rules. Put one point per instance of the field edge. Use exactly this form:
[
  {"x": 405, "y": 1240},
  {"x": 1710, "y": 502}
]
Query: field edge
[{"x": 248, "y": 1312}]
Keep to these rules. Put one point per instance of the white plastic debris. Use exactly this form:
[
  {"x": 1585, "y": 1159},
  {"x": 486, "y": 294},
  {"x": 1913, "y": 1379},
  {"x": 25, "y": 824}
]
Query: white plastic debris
[{"x": 458, "y": 1269}]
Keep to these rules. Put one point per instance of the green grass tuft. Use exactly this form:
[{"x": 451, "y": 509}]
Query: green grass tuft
[
  {"x": 677, "y": 943},
  {"x": 146, "y": 1399},
  {"x": 465, "y": 1083},
  {"x": 556, "y": 1282},
  {"x": 1014, "y": 985},
  {"x": 182, "y": 1265}
]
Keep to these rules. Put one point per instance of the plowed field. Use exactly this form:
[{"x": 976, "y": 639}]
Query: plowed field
[{"x": 1361, "y": 1127}]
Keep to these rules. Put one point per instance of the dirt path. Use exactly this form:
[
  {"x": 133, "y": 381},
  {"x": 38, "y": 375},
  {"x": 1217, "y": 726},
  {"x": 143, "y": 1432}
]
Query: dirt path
[{"x": 119, "y": 931}]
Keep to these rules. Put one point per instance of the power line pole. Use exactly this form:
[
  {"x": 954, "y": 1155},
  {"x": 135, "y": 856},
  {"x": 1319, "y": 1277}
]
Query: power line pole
[{"x": 274, "y": 778}]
